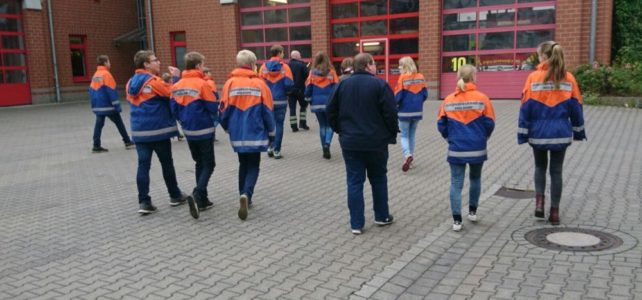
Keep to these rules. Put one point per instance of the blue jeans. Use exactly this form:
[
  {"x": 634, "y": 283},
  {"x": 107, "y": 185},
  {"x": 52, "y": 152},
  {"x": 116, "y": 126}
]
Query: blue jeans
[
  {"x": 163, "y": 150},
  {"x": 279, "y": 118},
  {"x": 118, "y": 121},
  {"x": 457, "y": 173},
  {"x": 408, "y": 129},
  {"x": 248, "y": 172},
  {"x": 203, "y": 155},
  {"x": 325, "y": 131},
  {"x": 375, "y": 165}
]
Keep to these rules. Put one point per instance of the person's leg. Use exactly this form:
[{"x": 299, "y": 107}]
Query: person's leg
[
  {"x": 196, "y": 157},
  {"x": 412, "y": 129},
  {"x": 98, "y": 128},
  {"x": 404, "y": 127},
  {"x": 303, "y": 112},
  {"x": 205, "y": 165},
  {"x": 323, "y": 123},
  {"x": 376, "y": 166},
  {"x": 164, "y": 151},
  {"x": 328, "y": 131},
  {"x": 292, "y": 106},
  {"x": 355, "y": 177},
  {"x": 279, "y": 117},
  {"x": 457, "y": 173},
  {"x": 118, "y": 121},
  {"x": 242, "y": 171},
  {"x": 541, "y": 162},
  {"x": 144, "y": 151},
  {"x": 253, "y": 168},
  {"x": 475, "y": 186},
  {"x": 556, "y": 168}
]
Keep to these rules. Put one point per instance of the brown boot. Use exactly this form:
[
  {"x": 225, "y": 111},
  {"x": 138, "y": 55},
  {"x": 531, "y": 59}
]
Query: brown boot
[
  {"x": 539, "y": 205},
  {"x": 554, "y": 217}
]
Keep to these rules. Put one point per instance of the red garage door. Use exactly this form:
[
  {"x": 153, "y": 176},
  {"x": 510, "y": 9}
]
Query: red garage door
[{"x": 14, "y": 86}]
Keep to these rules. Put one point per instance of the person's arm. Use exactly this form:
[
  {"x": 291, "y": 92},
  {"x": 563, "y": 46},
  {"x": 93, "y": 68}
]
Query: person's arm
[
  {"x": 389, "y": 109},
  {"x": 267, "y": 112},
  {"x": 211, "y": 103},
  {"x": 442, "y": 120},
  {"x": 577, "y": 112},
  {"x": 489, "y": 117},
  {"x": 332, "y": 109},
  {"x": 223, "y": 111},
  {"x": 523, "y": 123},
  {"x": 308, "y": 88}
]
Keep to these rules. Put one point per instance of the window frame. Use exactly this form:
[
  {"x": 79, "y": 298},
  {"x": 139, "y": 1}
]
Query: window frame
[
  {"x": 83, "y": 47},
  {"x": 173, "y": 44}
]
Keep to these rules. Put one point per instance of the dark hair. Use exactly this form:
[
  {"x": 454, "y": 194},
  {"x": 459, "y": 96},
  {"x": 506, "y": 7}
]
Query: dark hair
[
  {"x": 556, "y": 67},
  {"x": 362, "y": 60},
  {"x": 102, "y": 60},
  {"x": 322, "y": 63},
  {"x": 142, "y": 57},
  {"x": 193, "y": 59},
  {"x": 347, "y": 65},
  {"x": 276, "y": 50}
]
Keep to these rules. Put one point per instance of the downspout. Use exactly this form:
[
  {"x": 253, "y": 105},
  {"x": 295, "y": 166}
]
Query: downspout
[
  {"x": 53, "y": 52},
  {"x": 593, "y": 30},
  {"x": 151, "y": 25}
]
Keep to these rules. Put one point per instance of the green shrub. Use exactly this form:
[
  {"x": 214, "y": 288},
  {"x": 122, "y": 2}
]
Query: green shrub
[
  {"x": 592, "y": 80},
  {"x": 619, "y": 80}
]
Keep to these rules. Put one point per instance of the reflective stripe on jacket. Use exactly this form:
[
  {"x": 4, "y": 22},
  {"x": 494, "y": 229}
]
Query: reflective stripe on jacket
[
  {"x": 318, "y": 89},
  {"x": 103, "y": 93},
  {"x": 410, "y": 94},
  {"x": 278, "y": 77},
  {"x": 194, "y": 104}
]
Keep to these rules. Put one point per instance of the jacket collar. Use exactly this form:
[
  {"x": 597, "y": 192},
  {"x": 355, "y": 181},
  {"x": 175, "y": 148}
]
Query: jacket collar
[
  {"x": 542, "y": 66},
  {"x": 362, "y": 72},
  {"x": 467, "y": 88},
  {"x": 195, "y": 73},
  {"x": 242, "y": 72},
  {"x": 102, "y": 68}
]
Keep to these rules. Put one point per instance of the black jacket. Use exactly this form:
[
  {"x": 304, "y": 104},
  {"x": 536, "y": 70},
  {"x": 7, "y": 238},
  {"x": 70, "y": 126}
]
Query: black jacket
[
  {"x": 300, "y": 73},
  {"x": 362, "y": 110}
]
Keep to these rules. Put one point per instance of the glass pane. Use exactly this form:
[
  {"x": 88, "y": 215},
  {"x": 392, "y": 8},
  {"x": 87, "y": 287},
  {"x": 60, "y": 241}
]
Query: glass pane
[
  {"x": 300, "y": 14},
  {"x": 13, "y": 59},
  {"x": 381, "y": 67},
  {"x": 375, "y": 48},
  {"x": 249, "y": 3},
  {"x": 536, "y": 15},
  {"x": 12, "y": 42},
  {"x": 16, "y": 76},
  {"x": 404, "y": 46},
  {"x": 178, "y": 37},
  {"x": 532, "y": 38},
  {"x": 404, "y": 25},
  {"x": 12, "y": 7},
  {"x": 258, "y": 51},
  {"x": 404, "y": 6},
  {"x": 379, "y": 27},
  {"x": 275, "y": 16},
  {"x": 495, "y": 2},
  {"x": 78, "y": 62},
  {"x": 465, "y": 20},
  {"x": 448, "y": 4},
  {"x": 463, "y": 42},
  {"x": 496, "y": 18},
  {"x": 9, "y": 24},
  {"x": 180, "y": 57},
  {"x": 1, "y": 77},
  {"x": 303, "y": 33},
  {"x": 341, "y": 11},
  {"x": 251, "y": 18},
  {"x": 528, "y": 1},
  {"x": 373, "y": 7},
  {"x": 306, "y": 50},
  {"x": 526, "y": 61},
  {"x": 76, "y": 40},
  {"x": 345, "y": 49},
  {"x": 495, "y": 62},
  {"x": 496, "y": 40},
  {"x": 252, "y": 36},
  {"x": 298, "y": 1},
  {"x": 345, "y": 30},
  {"x": 276, "y": 34},
  {"x": 452, "y": 64}
]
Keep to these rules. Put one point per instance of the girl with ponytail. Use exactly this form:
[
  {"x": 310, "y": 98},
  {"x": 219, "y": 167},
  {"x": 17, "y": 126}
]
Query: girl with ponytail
[
  {"x": 410, "y": 94},
  {"x": 550, "y": 118}
]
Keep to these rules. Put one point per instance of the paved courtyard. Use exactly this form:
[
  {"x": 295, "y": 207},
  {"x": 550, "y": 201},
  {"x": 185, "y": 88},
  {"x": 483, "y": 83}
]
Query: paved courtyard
[{"x": 69, "y": 226}]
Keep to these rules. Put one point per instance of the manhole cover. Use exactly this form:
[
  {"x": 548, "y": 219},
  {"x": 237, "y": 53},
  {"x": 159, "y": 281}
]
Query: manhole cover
[
  {"x": 515, "y": 193},
  {"x": 572, "y": 239}
]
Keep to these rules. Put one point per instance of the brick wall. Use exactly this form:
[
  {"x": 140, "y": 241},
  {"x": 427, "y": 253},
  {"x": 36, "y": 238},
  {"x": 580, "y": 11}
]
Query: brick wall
[
  {"x": 430, "y": 44},
  {"x": 320, "y": 15},
  {"x": 574, "y": 27}
]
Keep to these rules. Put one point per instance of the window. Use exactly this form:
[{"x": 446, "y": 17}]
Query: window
[
  {"x": 78, "y": 50},
  {"x": 178, "y": 43}
]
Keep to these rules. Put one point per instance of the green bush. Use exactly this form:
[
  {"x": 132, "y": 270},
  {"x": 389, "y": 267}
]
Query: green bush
[
  {"x": 592, "y": 80},
  {"x": 619, "y": 80}
]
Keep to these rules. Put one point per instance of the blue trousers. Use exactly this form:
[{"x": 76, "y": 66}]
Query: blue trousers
[
  {"x": 325, "y": 131},
  {"x": 100, "y": 122},
  {"x": 279, "y": 118},
  {"x": 203, "y": 155},
  {"x": 163, "y": 150},
  {"x": 408, "y": 129},
  {"x": 457, "y": 173},
  {"x": 249, "y": 164},
  {"x": 374, "y": 164}
]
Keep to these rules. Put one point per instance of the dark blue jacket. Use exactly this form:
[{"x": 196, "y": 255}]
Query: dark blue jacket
[
  {"x": 363, "y": 111},
  {"x": 300, "y": 73}
]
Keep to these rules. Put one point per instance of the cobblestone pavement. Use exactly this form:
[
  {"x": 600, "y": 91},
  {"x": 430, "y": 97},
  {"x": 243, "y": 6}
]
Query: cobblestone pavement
[{"x": 69, "y": 226}]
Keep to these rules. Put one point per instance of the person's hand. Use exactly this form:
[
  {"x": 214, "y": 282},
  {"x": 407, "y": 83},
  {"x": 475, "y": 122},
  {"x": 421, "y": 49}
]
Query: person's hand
[{"x": 174, "y": 71}]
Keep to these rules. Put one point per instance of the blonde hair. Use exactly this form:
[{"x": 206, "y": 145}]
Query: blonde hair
[
  {"x": 245, "y": 58},
  {"x": 465, "y": 75},
  {"x": 407, "y": 65},
  {"x": 556, "y": 67}
]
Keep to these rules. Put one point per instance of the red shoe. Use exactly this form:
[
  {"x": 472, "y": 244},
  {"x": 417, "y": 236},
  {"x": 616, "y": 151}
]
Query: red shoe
[
  {"x": 554, "y": 216},
  {"x": 406, "y": 164},
  {"x": 539, "y": 206}
]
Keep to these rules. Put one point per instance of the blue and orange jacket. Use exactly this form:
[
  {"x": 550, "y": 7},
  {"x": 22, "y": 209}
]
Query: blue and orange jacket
[
  {"x": 102, "y": 92},
  {"x": 466, "y": 120},
  {"x": 278, "y": 77},
  {"x": 151, "y": 118},
  {"x": 318, "y": 89},
  {"x": 212, "y": 84},
  {"x": 410, "y": 94},
  {"x": 550, "y": 118},
  {"x": 194, "y": 104},
  {"x": 246, "y": 111}
]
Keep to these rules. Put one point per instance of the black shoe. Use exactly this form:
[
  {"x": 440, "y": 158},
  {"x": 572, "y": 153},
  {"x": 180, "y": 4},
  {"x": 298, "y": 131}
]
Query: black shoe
[
  {"x": 193, "y": 208},
  {"x": 295, "y": 129},
  {"x": 130, "y": 145},
  {"x": 326, "y": 152},
  {"x": 146, "y": 209},
  {"x": 386, "y": 221},
  {"x": 304, "y": 126},
  {"x": 243, "y": 209},
  {"x": 178, "y": 201},
  {"x": 205, "y": 206},
  {"x": 99, "y": 150},
  {"x": 180, "y": 137},
  {"x": 270, "y": 152}
]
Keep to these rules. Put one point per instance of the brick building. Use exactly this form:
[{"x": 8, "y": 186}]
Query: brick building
[{"x": 499, "y": 36}]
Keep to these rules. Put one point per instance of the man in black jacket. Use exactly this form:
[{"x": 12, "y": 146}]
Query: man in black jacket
[
  {"x": 300, "y": 73},
  {"x": 362, "y": 110}
]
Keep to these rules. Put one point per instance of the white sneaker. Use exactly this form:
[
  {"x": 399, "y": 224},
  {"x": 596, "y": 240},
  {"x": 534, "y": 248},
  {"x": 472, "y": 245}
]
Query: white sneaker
[
  {"x": 457, "y": 226},
  {"x": 357, "y": 231},
  {"x": 472, "y": 217}
]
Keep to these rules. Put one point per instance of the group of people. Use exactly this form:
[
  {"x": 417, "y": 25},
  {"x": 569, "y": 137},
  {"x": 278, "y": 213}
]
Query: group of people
[{"x": 360, "y": 107}]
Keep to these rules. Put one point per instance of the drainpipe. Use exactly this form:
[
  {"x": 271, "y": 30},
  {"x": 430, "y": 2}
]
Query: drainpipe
[
  {"x": 593, "y": 29},
  {"x": 53, "y": 52},
  {"x": 151, "y": 25}
]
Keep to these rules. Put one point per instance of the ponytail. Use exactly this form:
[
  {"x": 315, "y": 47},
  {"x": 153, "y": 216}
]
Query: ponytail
[
  {"x": 465, "y": 75},
  {"x": 556, "y": 67}
]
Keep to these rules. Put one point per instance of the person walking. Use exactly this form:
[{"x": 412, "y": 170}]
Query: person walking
[
  {"x": 466, "y": 120},
  {"x": 410, "y": 94},
  {"x": 319, "y": 86},
  {"x": 278, "y": 77},
  {"x": 347, "y": 68},
  {"x": 362, "y": 110},
  {"x": 195, "y": 106},
  {"x": 104, "y": 103},
  {"x": 550, "y": 118},
  {"x": 299, "y": 72},
  {"x": 247, "y": 116},
  {"x": 152, "y": 127}
]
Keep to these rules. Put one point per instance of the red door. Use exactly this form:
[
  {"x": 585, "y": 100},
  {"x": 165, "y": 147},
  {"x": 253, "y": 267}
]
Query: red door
[{"x": 14, "y": 86}]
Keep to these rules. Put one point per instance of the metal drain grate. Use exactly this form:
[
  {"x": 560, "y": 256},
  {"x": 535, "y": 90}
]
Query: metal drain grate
[
  {"x": 540, "y": 238},
  {"x": 515, "y": 193}
]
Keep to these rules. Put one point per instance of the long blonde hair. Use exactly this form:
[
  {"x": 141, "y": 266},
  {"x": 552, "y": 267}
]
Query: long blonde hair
[
  {"x": 465, "y": 75},
  {"x": 407, "y": 65},
  {"x": 556, "y": 67}
]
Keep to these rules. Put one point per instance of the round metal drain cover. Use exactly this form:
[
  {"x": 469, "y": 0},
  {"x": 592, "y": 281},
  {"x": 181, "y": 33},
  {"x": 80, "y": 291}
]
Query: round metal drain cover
[{"x": 572, "y": 239}]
